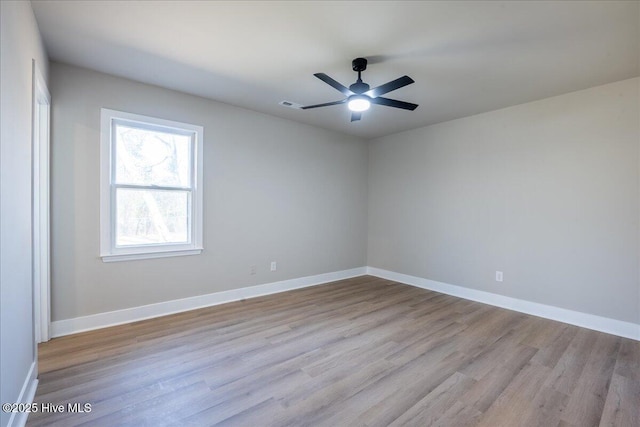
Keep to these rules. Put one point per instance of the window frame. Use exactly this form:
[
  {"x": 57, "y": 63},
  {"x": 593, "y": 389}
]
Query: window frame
[{"x": 109, "y": 251}]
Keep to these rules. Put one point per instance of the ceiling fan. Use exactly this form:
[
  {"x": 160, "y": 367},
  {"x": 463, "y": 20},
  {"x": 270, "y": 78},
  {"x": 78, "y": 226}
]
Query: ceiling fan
[{"x": 359, "y": 96}]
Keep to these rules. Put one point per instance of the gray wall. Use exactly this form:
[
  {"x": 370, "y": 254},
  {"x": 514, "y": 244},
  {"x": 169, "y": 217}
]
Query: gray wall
[
  {"x": 19, "y": 44},
  {"x": 546, "y": 192},
  {"x": 273, "y": 190}
]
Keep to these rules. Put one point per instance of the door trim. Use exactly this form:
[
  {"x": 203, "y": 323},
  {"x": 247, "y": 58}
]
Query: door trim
[{"x": 41, "y": 207}]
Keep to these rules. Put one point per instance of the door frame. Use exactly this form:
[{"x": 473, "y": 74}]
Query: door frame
[{"x": 41, "y": 207}]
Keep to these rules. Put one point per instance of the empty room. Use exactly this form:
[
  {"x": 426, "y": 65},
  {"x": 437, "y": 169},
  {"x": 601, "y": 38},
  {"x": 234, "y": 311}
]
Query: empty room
[{"x": 320, "y": 213}]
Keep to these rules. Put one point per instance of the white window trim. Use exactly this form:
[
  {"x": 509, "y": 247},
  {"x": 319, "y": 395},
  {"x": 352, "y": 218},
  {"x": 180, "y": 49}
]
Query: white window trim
[{"x": 108, "y": 251}]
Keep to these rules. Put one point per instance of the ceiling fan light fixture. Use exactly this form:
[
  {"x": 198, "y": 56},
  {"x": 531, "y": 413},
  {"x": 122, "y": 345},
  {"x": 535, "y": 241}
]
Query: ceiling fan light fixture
[{"x": 359, "y": 103}]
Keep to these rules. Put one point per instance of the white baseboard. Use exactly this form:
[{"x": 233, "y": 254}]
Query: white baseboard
[
  {"x": 128, "y": 315},
  {"x": 589, "y": 321},
  {"x": 28, "y": 392}
]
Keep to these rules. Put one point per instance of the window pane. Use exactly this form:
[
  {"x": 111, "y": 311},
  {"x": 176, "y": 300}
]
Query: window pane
[
  {"x": 149, "y": 157},
  {"x": 151, "y": 216}
]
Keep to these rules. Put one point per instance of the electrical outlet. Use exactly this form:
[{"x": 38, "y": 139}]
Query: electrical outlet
[
  {"x": 499, "y": 276},
  {"x": 254, "y": 269},
  {"x": 274, "y": 266}
]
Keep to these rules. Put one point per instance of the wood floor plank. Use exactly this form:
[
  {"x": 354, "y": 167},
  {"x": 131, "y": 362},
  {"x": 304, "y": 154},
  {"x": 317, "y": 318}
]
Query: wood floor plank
[
  {"x": 322, "y": 402},
  {"x": 515, "y": 400},
  {"x": 622, "y": 404},
  {"x": 359, "y": 352},
  {"x": 550, "y": 352},
  {"x": 567, "y": 371},
  {"x": 434, "y": 405},
  {"x": 488, "y": 388},
  {"x": 546, "y": 408},
  {"x": 458, "y": 415},
  {"x": 628, "y": 361},
  {"x": 588, "y": 399}
]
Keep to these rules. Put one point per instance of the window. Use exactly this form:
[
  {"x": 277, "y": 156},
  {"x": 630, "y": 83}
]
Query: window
[{"x": 151, "y": 187}]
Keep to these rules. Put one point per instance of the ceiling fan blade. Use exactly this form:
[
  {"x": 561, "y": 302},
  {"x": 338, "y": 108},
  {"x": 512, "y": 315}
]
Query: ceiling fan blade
[
  {"x": 394, "y": 103},
  {"x": 355, "y": 116},
  {"x": 326, "y": 104},
  {"x": 334, "y": 84},
  {"x": 388, "y": 87}
]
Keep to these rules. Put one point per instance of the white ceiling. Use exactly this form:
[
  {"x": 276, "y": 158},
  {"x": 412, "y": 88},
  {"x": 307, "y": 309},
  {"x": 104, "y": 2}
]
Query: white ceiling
[{"x": 466, "y": 57}]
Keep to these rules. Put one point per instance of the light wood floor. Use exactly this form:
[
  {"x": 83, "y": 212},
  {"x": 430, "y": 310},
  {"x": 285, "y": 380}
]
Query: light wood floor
[{"x": 364, "y": 351}]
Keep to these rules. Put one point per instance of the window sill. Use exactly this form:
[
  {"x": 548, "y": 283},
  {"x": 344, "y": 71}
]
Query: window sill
[{"x": 149, "y": 255}]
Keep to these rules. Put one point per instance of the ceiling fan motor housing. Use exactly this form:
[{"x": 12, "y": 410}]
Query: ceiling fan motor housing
[{"x": 359, "y": 64}]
